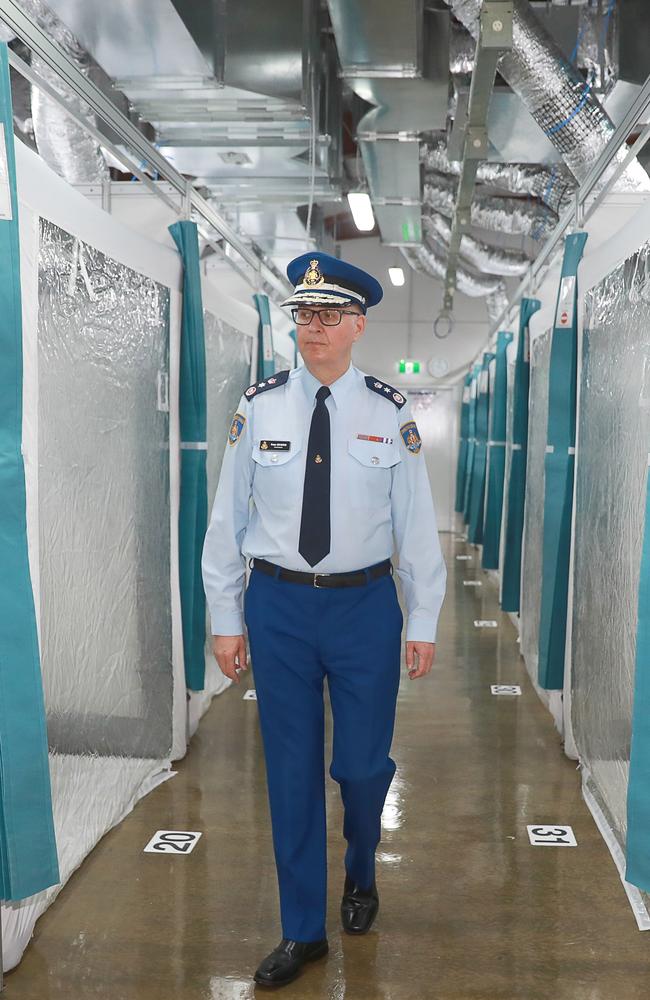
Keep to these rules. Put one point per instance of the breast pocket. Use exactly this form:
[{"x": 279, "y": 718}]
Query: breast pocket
[
  {"x": 370, "y": 464},
  {"x": 279, "y": 472}
]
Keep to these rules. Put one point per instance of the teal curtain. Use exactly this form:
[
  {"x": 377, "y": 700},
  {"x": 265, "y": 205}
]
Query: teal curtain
[
  {"x": 28, "y": 857},
  {"x": 193, "y": 516},
  {"x": 559, "y": 464},
  {"x": 638, "y": 789},
  {"x": 496, "y": 457},
  {"x": 265, "y": 354},
  {"x": 511, "y": 570},
  {"x": 292, "y": 334},
  {"x": 471, "y": 441},
  {"x": 461, "y": 468},
  {"x": 477, "y": 501}
]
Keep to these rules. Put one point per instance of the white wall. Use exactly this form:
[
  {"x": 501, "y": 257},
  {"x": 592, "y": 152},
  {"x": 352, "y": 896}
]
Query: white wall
[{"x": 401, "y": 326}]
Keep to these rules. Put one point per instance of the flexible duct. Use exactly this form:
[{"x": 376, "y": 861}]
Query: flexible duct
[
  {"x": 505, "y": 215},
  {"x": 550, "y": 186},
  {"x": 554, "y": 92},
  {"x": 489, "y": 260},
  {"x": 496, "y": 304},
  {"x": 427, "y": 259},
  {"x": 64, "y": 145}
]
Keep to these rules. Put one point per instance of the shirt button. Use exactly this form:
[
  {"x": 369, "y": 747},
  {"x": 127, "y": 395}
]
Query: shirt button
[
  {"x": 274, "y": 458},
  {"x": 374, "y": 460}
]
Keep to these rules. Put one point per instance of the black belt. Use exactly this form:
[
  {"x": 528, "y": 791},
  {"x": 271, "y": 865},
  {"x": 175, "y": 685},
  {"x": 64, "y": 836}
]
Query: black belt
[{"x": 357, "y": 578}]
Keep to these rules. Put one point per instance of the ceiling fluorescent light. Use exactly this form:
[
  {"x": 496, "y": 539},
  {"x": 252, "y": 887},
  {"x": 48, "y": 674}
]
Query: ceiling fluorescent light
[
  {"x": 359, "y": 202},
  {"x": 396, "y": 275}
]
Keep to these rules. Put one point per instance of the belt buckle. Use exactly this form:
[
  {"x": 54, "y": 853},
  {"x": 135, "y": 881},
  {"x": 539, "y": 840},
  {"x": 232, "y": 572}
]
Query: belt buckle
[{"x": 316, "y": 583}]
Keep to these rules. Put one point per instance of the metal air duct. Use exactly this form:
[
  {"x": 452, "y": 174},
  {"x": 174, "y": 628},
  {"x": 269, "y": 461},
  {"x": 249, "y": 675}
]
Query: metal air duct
[
  {"x": 554, "y": 92},
  {"x": 396, "y": 58}
]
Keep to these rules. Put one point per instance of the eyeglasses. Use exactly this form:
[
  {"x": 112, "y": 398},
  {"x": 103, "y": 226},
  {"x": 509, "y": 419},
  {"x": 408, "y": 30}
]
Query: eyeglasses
[{"x": 328, "y": 317}]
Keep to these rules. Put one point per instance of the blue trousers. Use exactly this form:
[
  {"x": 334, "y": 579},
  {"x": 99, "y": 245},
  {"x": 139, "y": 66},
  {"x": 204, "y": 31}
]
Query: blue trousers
[{"x": 298, "y": 636}]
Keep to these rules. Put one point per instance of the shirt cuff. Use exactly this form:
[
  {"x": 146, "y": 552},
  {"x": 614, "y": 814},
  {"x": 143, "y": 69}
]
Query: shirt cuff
[
  {"x": 421, "y": 630},
  {"x": 227, "y": 623}
]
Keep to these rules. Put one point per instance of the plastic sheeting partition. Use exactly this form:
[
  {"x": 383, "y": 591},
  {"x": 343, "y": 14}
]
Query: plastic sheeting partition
[
  {"x": 496, "y": 457},
  {"x": 610, "y": 498},
  {"x": 228, "y": 356},
  {"x": 514, "y": 522}
]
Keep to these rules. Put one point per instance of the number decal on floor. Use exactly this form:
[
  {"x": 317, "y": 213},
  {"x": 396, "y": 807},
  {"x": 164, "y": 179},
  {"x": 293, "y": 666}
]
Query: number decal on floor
[{"x": 172, "y": 842}]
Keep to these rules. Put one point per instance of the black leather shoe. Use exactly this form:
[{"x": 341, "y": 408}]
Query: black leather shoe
[
  {"x": 284, "y": 963},
  {"x": 358, "y": 907}
]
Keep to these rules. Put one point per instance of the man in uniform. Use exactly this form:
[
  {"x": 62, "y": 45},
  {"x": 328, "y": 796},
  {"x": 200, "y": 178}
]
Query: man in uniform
[{"x": 332, "y": 463}]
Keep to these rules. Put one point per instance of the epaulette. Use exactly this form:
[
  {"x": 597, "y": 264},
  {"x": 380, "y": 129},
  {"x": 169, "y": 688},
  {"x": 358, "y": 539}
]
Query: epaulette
[
  {"x": 268, "y": 383},
  {"x": 385, "y": 390}
]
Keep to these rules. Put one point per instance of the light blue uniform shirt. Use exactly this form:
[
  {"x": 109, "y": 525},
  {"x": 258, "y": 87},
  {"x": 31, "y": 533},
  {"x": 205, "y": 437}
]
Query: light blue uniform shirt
[{"x": 380, "y": 498}]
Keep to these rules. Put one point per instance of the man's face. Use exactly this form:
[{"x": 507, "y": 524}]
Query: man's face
[{"x": 331, "y": 345}]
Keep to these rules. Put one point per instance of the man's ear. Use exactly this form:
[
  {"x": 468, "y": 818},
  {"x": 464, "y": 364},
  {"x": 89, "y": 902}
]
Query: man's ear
[{"x": 360, "y": 326}]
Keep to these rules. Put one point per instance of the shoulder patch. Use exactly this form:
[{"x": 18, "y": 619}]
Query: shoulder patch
[
  {"x": 236, "y": 428},
  {"x": 385, "y": 390},
  {"x": 411, "y": 436},
  {"x": 267, "y": 383}
]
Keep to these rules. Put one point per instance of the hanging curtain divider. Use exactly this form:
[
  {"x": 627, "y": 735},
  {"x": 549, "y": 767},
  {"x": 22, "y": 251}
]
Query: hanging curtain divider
[
  {"x": 559, "y": 463},
  {"x": 28, "y": 856},
  {"x": 511, "y": 571},
  {"x": 496, "y": 461},
  {"x": 266, "y": 357},
  {"x": 477, "y": 500},
  {"x": 193, "y": 515},
  {"x": 471, "y": 441},
  {"x": 461, "y": 469},
  {"x": 638, "y": 789}
]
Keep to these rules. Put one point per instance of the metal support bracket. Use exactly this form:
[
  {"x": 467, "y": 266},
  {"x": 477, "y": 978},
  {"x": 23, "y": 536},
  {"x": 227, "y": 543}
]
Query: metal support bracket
[{"x": 495, "y": 37}]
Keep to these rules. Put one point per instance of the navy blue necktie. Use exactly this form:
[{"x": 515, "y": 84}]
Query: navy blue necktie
[{"x": 314, "y": 543}]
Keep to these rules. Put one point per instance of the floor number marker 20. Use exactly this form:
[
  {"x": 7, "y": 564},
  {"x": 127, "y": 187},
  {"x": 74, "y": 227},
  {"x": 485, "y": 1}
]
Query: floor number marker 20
[
  {"x": 552, "y": 836},
  {"x": 511, "y": 689},
  {"x": 463, "y": 558},
  {"x": 480, "y": 623},
  {"x": 172, "y": 842}
]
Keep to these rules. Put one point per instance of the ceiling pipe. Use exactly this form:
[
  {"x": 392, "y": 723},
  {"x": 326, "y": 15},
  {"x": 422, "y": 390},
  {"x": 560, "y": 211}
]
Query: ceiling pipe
[{"x": 555, "y": 93}]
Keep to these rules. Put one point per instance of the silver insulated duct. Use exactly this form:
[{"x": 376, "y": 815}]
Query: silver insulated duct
[
  {"x": 64, "y": 145},
  {"x": 429, "y": 260},
  {"x": 554, "y": 92}
]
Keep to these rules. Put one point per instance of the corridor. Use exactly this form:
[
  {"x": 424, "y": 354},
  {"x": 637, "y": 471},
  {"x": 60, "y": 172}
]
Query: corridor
[{"x": 469, "y": 909}]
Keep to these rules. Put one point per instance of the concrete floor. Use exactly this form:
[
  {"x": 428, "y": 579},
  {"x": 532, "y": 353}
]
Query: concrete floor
[{"x": 469, "y": 910}]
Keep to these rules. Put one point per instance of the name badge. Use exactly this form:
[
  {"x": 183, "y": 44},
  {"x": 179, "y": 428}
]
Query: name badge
[{"x": 275, "y": 445}]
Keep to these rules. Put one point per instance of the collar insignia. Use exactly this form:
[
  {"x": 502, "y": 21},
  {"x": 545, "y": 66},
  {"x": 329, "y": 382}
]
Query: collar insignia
[{"x": 313, "y": 278}]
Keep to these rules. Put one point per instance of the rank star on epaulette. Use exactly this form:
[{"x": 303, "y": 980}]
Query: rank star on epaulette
[
  {"x": 270, "y": 383},
  {"x": 387, "y": 391}
]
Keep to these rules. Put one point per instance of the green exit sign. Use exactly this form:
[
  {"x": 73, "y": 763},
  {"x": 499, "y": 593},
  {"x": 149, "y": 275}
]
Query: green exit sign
[{"x": 408, "y": 367}]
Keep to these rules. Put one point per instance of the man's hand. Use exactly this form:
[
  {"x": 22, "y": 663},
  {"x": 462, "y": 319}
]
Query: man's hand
[
  {"x": 230, "y": 653},
  {"x": 419, "y": 658}
]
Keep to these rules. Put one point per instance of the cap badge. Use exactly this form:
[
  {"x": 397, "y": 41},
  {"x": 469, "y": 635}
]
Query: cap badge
[{"x": 313, "y": 278}]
